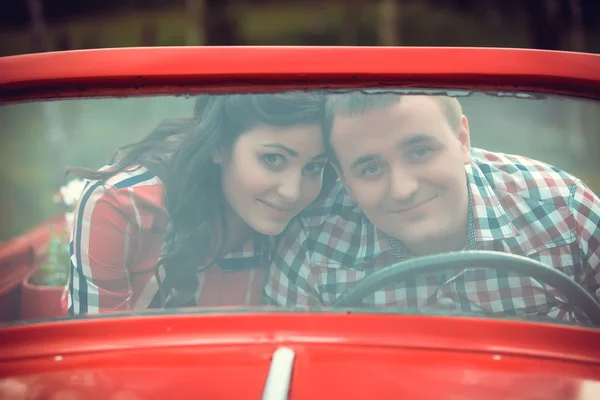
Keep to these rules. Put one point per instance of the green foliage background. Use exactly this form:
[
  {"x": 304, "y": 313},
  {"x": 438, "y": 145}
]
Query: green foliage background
[
  {"x": 550, "y": 130},
  {"x": 95, "y": 128}
]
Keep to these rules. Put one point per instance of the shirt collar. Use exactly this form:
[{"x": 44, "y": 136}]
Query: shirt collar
[
  {"x": 254, "y": 252},
  {"x": 491, "y": 219}
]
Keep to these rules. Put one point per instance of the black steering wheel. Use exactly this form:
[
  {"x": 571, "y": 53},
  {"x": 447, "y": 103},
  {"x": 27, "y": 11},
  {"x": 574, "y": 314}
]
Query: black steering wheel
[{"x": 398, "y": 272}]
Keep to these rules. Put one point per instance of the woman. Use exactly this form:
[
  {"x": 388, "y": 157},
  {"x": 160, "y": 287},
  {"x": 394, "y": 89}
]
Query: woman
[{"x": 186, "y": 216}]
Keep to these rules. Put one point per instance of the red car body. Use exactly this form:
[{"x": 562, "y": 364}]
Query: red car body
[{"x": 227, "y": 353}]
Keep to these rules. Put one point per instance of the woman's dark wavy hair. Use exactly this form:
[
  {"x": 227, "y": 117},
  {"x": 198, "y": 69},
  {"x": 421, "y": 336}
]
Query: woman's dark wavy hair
[{"x": 179, "y": 151}]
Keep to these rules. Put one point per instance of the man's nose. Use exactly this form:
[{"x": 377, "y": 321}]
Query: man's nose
[
  {"x": 403, "y": 184},
  {"x": 290, "y": 188}
]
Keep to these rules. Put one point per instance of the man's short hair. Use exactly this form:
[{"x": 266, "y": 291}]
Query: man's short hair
[{"x": 357, "y": 103}]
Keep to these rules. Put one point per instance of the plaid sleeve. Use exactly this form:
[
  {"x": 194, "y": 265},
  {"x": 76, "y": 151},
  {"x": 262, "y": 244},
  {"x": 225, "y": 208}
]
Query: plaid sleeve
[
  {"x": 290, "y": 282},
  {"x": 103, "y": 234},
  {"x": 586, "y": 207}
]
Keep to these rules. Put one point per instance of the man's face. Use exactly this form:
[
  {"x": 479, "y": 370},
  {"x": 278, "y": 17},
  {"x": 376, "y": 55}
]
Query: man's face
[{"x": 404, "y": 166}]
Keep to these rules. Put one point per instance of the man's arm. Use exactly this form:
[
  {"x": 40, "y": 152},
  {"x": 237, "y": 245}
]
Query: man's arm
[
  {"x": 586, "y": 208},
  {"x": 290, "y": 282}
]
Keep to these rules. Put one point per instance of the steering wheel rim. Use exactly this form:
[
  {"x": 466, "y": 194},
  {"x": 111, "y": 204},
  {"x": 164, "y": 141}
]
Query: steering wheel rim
[{"x": 484, "y": 259}]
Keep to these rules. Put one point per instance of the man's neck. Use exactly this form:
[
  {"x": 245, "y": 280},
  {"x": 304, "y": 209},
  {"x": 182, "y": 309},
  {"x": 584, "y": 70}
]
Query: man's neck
[{"x": 457, "y": 240}]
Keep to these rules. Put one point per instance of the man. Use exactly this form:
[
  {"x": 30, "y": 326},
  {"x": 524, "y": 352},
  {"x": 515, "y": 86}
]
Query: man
[{"x": 412, "y": 186}]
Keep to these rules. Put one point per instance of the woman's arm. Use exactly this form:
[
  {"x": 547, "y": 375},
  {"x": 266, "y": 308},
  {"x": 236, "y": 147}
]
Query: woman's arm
[{"x": 105, "y": 235}]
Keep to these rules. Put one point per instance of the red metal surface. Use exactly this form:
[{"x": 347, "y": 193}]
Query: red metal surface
[
  {"x": 134, "y": 71},
  {"x": 37, "y": 237},
  {"x": 319, "y": 373},
  {"x": 19, "y": 258},
  {"x": 337, "y": 356},
  {"x": 16, "y": 261},
  {"x": 40, "y": 301},
  {"x": 476, "y": 335}
]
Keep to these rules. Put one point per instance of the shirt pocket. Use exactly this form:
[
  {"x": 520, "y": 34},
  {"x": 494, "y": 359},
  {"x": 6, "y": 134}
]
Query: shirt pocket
[{"x": 498, "y": 291}]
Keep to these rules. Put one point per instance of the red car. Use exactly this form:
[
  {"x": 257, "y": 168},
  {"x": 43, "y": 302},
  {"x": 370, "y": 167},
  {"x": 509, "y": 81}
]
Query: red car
[{"x": 513, "y": 98}]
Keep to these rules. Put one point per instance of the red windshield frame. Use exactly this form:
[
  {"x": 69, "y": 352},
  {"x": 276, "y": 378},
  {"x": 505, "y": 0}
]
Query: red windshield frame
[{"x": 179, "y": 70}]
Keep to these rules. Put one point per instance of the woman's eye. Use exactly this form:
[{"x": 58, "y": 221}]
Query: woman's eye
[{"x": 273, "y": 160}]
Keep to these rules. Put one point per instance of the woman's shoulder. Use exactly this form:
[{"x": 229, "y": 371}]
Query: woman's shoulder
[
  {"x": 135, "y": 184},
  {"x": 135, "y": 176}
]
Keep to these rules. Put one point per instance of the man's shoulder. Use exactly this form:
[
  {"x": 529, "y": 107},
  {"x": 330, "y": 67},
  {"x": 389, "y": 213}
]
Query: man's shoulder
[
  {"x": 333, "y": 231},
  {"x": 524, "y": 177}
]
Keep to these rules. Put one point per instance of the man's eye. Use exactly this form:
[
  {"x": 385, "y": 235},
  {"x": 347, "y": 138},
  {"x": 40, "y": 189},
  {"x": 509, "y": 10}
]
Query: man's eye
[
  {"x": 369, "y": 170},
  {"x": 273, "y": 160},
  {"x": 422, "y": 153}
]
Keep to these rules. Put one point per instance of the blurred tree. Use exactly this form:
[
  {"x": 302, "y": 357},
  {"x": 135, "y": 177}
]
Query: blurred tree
[
  {"x": 388, "y": 23},
  {"x": 220, "y": 27},
  {"x": 196, "y": 10},
  {"x": 577, "y": 27},
  {"x": 53, "y": 132},
  {"x": 39, "y": 29},
  {"x": 351, "y": 22},
  {"x": 63, "y": 40},
  {"x": 545, "y": 23},
  {"x": 583, "y": 115},
  {"x": 149, "y": 32}
]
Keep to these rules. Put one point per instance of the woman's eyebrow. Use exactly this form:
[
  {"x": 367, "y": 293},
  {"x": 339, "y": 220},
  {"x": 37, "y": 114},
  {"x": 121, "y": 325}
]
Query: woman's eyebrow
[{"x": 291, "y": 152}]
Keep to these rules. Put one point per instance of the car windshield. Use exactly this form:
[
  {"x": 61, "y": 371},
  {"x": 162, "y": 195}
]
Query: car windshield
[{"x": 420, "y": 201}]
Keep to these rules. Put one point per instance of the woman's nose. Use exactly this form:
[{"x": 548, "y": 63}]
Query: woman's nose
[{"x": 290, "y": 188}]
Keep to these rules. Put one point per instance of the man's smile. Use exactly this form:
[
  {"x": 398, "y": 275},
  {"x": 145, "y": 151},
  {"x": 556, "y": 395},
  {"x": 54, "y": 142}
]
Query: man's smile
[{"x": 412, "y": 208}]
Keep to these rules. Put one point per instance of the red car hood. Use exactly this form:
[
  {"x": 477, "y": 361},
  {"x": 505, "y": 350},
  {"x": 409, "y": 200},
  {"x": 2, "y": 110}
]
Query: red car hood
[{"x": 335, "y": 356}]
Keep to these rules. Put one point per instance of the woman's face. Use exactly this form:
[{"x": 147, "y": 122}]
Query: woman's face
[{"x": 272, "y": 173}]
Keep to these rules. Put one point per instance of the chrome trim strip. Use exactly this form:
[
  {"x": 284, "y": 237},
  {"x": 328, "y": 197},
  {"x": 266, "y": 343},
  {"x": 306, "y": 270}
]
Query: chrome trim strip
[{"x": 278, "y": 381}]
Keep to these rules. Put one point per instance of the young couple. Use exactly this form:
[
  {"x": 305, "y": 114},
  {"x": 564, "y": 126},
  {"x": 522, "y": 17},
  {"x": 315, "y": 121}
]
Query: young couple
[{"x": 205, "y": 211}]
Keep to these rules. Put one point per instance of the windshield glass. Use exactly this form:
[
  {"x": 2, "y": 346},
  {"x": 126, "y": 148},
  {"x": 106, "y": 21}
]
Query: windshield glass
[{"x": 302, "y": 201}]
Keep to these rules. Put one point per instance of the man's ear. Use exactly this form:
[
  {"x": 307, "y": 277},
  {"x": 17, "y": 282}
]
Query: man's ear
[
  {"x": 464, "y": 137},
  {"x": 340, "y": 175}
]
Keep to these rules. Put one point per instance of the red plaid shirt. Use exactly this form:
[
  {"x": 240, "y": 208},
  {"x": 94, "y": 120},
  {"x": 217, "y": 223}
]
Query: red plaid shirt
[
  {"x": 518, "y": 205},
  {"x": 116, "y": 242}
]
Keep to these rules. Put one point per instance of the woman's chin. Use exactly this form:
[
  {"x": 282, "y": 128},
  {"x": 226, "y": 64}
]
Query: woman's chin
[{"x": 270, "y": 228}]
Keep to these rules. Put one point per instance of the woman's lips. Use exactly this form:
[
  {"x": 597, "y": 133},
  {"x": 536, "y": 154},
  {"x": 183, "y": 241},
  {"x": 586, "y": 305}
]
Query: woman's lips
[{"x": 278, "y": 211}]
